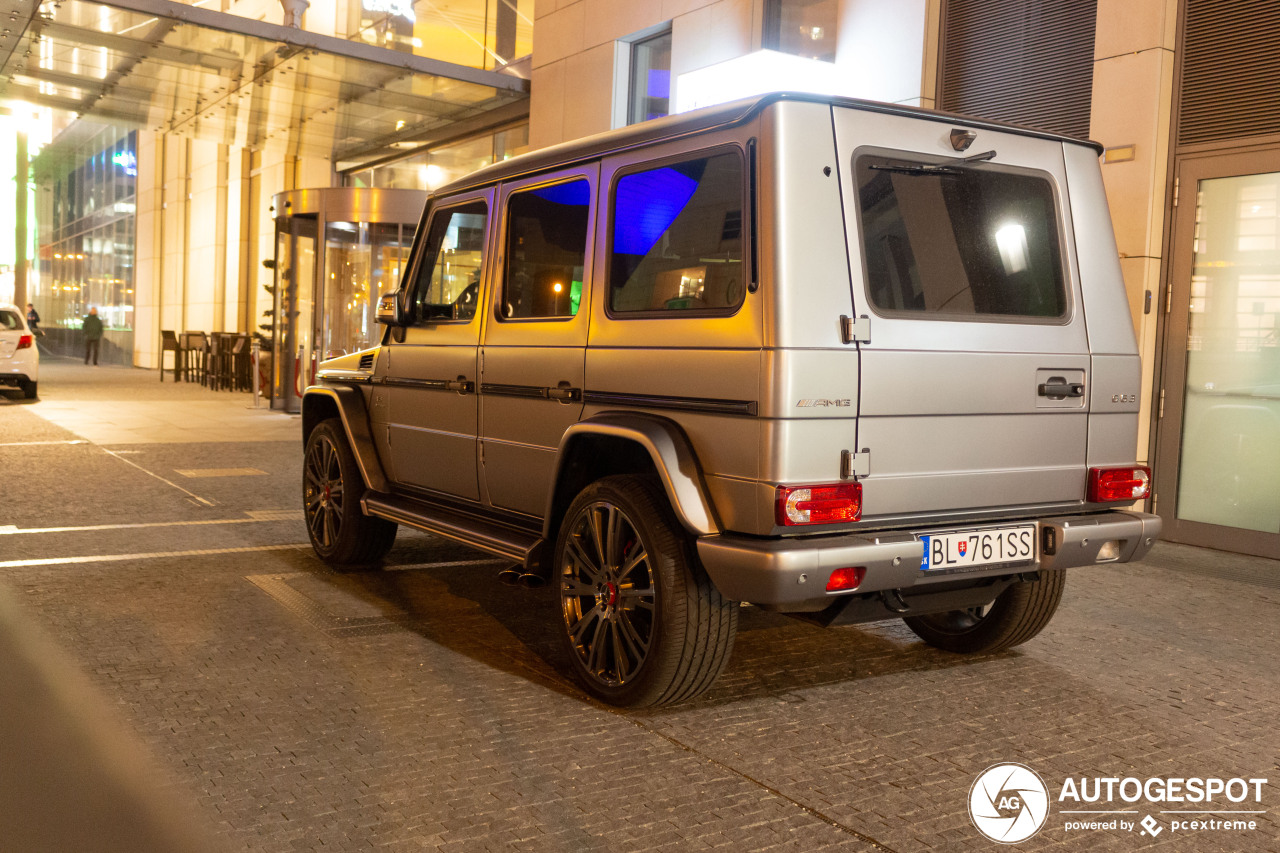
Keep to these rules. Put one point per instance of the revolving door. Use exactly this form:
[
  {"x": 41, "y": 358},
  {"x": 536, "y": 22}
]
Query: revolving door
[{"x": 337, "y": 251}]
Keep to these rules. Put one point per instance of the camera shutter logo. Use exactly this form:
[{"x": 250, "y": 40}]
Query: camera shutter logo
[{"x": 1008, "y": 803}]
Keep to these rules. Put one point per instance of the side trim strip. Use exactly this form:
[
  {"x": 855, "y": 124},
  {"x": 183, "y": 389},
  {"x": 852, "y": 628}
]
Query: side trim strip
[
  {"x": 350, "y": 376},
  {"x": 532, "y": 391},
  {"x": 748, "y": 408}
]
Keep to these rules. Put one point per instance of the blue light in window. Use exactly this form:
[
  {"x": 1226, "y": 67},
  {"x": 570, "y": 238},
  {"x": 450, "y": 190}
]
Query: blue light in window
[
  {"x": 646, "y": 206},
  {"x": 659, "y": 83},
  {"x": 126, "y": 160},
  {"x": 573, "y": 193}
]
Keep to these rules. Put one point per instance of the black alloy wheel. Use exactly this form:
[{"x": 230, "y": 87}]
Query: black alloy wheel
[
  {"x": 641, "y": 621},
  {"x": 341, "y": 534}
]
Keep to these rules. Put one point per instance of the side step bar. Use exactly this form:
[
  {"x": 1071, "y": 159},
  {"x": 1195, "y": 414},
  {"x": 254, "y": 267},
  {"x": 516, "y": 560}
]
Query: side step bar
[{"x": 512, "y": 543}]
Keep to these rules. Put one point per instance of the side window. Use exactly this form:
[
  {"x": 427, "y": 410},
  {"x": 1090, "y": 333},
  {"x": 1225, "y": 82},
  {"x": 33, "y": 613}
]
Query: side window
[
  {"x": 677, "y": 238},
  {"x": 546, "y": 251},
  {"x": 448, "y": 285}
]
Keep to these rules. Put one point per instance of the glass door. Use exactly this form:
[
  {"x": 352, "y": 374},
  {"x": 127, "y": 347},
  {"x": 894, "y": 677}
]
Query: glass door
[
  {"x": 295, "y": 288},
  {"x": 1218, "y": 452}
]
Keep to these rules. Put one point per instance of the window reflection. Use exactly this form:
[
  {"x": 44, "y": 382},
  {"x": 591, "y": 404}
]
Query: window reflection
[
  {"x": 437, "y": 167},
  {"x": 476, "y": 33},
  {"x": 650, "y": 94},
  {"x": 89, "y": 258},
  {"x": 802, "y": 27}
]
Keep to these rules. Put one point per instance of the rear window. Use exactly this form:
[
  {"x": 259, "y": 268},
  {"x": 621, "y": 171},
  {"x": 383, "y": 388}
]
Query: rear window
[
  {"x": 956, "y": 242},
  {"x": 9, "y": 320},
  {"x": 677, "y": 238}
]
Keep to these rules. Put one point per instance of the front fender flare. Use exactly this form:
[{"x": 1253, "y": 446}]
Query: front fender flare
[{"x": 355, "y": 422}]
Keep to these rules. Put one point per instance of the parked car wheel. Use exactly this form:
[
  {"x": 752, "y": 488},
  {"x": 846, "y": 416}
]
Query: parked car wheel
[
  {"x": 1017, "y": 615},
  {"x": 29, "y": 389},
  {"x": 341, "y": 534},
  {"x": 642, "y": 622}
]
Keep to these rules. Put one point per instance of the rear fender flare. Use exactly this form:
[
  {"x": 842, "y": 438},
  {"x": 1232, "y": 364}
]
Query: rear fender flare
[{"x": 667, "y": 448}]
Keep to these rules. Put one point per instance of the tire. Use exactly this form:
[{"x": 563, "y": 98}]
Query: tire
[
  {"x": 341, "y": 534},
  {"x": 29, "y": 390},
  {"x": 1017, "y": 615},
  {"x": 642, "y": 622}
]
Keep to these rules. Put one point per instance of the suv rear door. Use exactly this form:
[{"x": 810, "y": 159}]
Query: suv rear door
[
  {"x": 974, "y": 394},
  {"x": 533, "y": 361}
]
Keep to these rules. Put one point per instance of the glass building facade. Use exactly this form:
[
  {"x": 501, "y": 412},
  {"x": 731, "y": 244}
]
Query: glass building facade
[
  {"x": 87, "y": 252},
  {"x": 437, "y": 166}
]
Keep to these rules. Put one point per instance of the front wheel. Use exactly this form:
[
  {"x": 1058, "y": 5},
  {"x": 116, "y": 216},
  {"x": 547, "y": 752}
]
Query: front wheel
[
  {"x": 341, "y": 534},
  {"x": 1017, "y": 615},
  {"x": 642, "y": 622}
]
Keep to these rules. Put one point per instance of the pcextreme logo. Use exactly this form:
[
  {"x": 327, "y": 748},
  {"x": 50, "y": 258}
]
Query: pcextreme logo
[{"x": 1008, "y": 803}]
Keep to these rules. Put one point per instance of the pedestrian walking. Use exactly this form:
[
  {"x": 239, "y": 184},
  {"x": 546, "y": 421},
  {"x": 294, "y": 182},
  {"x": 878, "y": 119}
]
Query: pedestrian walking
[
  {"x": 33, "y": 319},
  {"x": 92, "y": 335}
]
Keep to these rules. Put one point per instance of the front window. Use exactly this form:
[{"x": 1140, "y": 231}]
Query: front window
[
  {"x": 448, "y": 286},
  {"x": 677, "y": 237},
  {"x": 959, "y": 241}
]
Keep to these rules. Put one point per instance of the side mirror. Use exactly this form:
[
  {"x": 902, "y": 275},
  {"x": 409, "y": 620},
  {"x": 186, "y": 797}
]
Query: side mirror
[{"x": 389, "y": 313}]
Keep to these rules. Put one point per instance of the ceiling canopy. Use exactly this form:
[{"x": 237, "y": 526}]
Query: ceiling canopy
[{"x": 178, "y": 69}]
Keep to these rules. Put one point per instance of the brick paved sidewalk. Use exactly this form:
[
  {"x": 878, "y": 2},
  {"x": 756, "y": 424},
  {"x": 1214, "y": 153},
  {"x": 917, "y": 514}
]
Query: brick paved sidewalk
[{"x": 426, "y": 707}]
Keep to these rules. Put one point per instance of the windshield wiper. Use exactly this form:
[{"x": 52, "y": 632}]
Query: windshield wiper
[{"x": 951, "y": 167}]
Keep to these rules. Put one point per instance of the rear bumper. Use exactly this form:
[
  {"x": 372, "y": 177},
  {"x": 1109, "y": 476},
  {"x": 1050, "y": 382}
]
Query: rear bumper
[{"x": 792, "y": 573}]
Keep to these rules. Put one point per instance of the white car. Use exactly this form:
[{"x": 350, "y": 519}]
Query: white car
[{"x": 19, "y": 356}]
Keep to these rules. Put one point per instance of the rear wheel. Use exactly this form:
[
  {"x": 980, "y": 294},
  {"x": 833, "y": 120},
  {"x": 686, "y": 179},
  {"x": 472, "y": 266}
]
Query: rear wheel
[
  {"x": 341, "y": 534},
  {"x": 29, "y": 389},
  {"x": 1017, "y": 615},
  {"x": 642, "y": 622}
]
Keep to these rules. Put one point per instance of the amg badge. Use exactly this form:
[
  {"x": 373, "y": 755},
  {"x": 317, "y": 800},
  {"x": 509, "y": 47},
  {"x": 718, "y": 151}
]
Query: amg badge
[{"x": 804, "y": 404}]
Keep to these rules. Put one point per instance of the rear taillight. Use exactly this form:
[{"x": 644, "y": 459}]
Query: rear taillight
[
  {"x": 1119, "y": 484},
  {"x": 26, "y": 341},
  {"x": 819, "y": 504}
]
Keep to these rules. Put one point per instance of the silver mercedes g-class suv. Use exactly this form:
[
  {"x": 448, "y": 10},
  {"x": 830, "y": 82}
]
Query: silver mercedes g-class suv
[{"x": 840, "y": 359}]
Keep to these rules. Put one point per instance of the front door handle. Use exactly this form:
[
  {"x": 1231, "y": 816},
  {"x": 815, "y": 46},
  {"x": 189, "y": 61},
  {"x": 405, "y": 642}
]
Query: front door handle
[{"x": 1060, "y": 388}]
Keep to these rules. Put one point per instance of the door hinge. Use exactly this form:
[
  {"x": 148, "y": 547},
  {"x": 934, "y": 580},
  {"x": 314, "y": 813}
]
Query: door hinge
[
  {"x": 855, "y": 331},
  {"x": 1160, "y": 414},
  {"x": 854, "y": 465},
  {"x": 1176, "y": 183},
  {"x": 1155, "y": 502}
]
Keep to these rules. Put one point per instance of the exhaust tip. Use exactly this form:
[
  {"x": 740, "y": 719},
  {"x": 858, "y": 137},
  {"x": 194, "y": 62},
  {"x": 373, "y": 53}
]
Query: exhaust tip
[
  {"x": 531, "y": 581},
  {"x": 510, "y": 576}
]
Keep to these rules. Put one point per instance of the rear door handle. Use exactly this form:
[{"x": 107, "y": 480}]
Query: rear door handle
[
  {"x": 1061, "y": 389},
  {"x": 562, "y": 393},
  {"x": 465, "y": 386}
]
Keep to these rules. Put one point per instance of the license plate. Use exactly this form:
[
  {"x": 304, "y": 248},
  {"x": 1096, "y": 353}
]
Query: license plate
[{"x": 965, "y": 550}]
